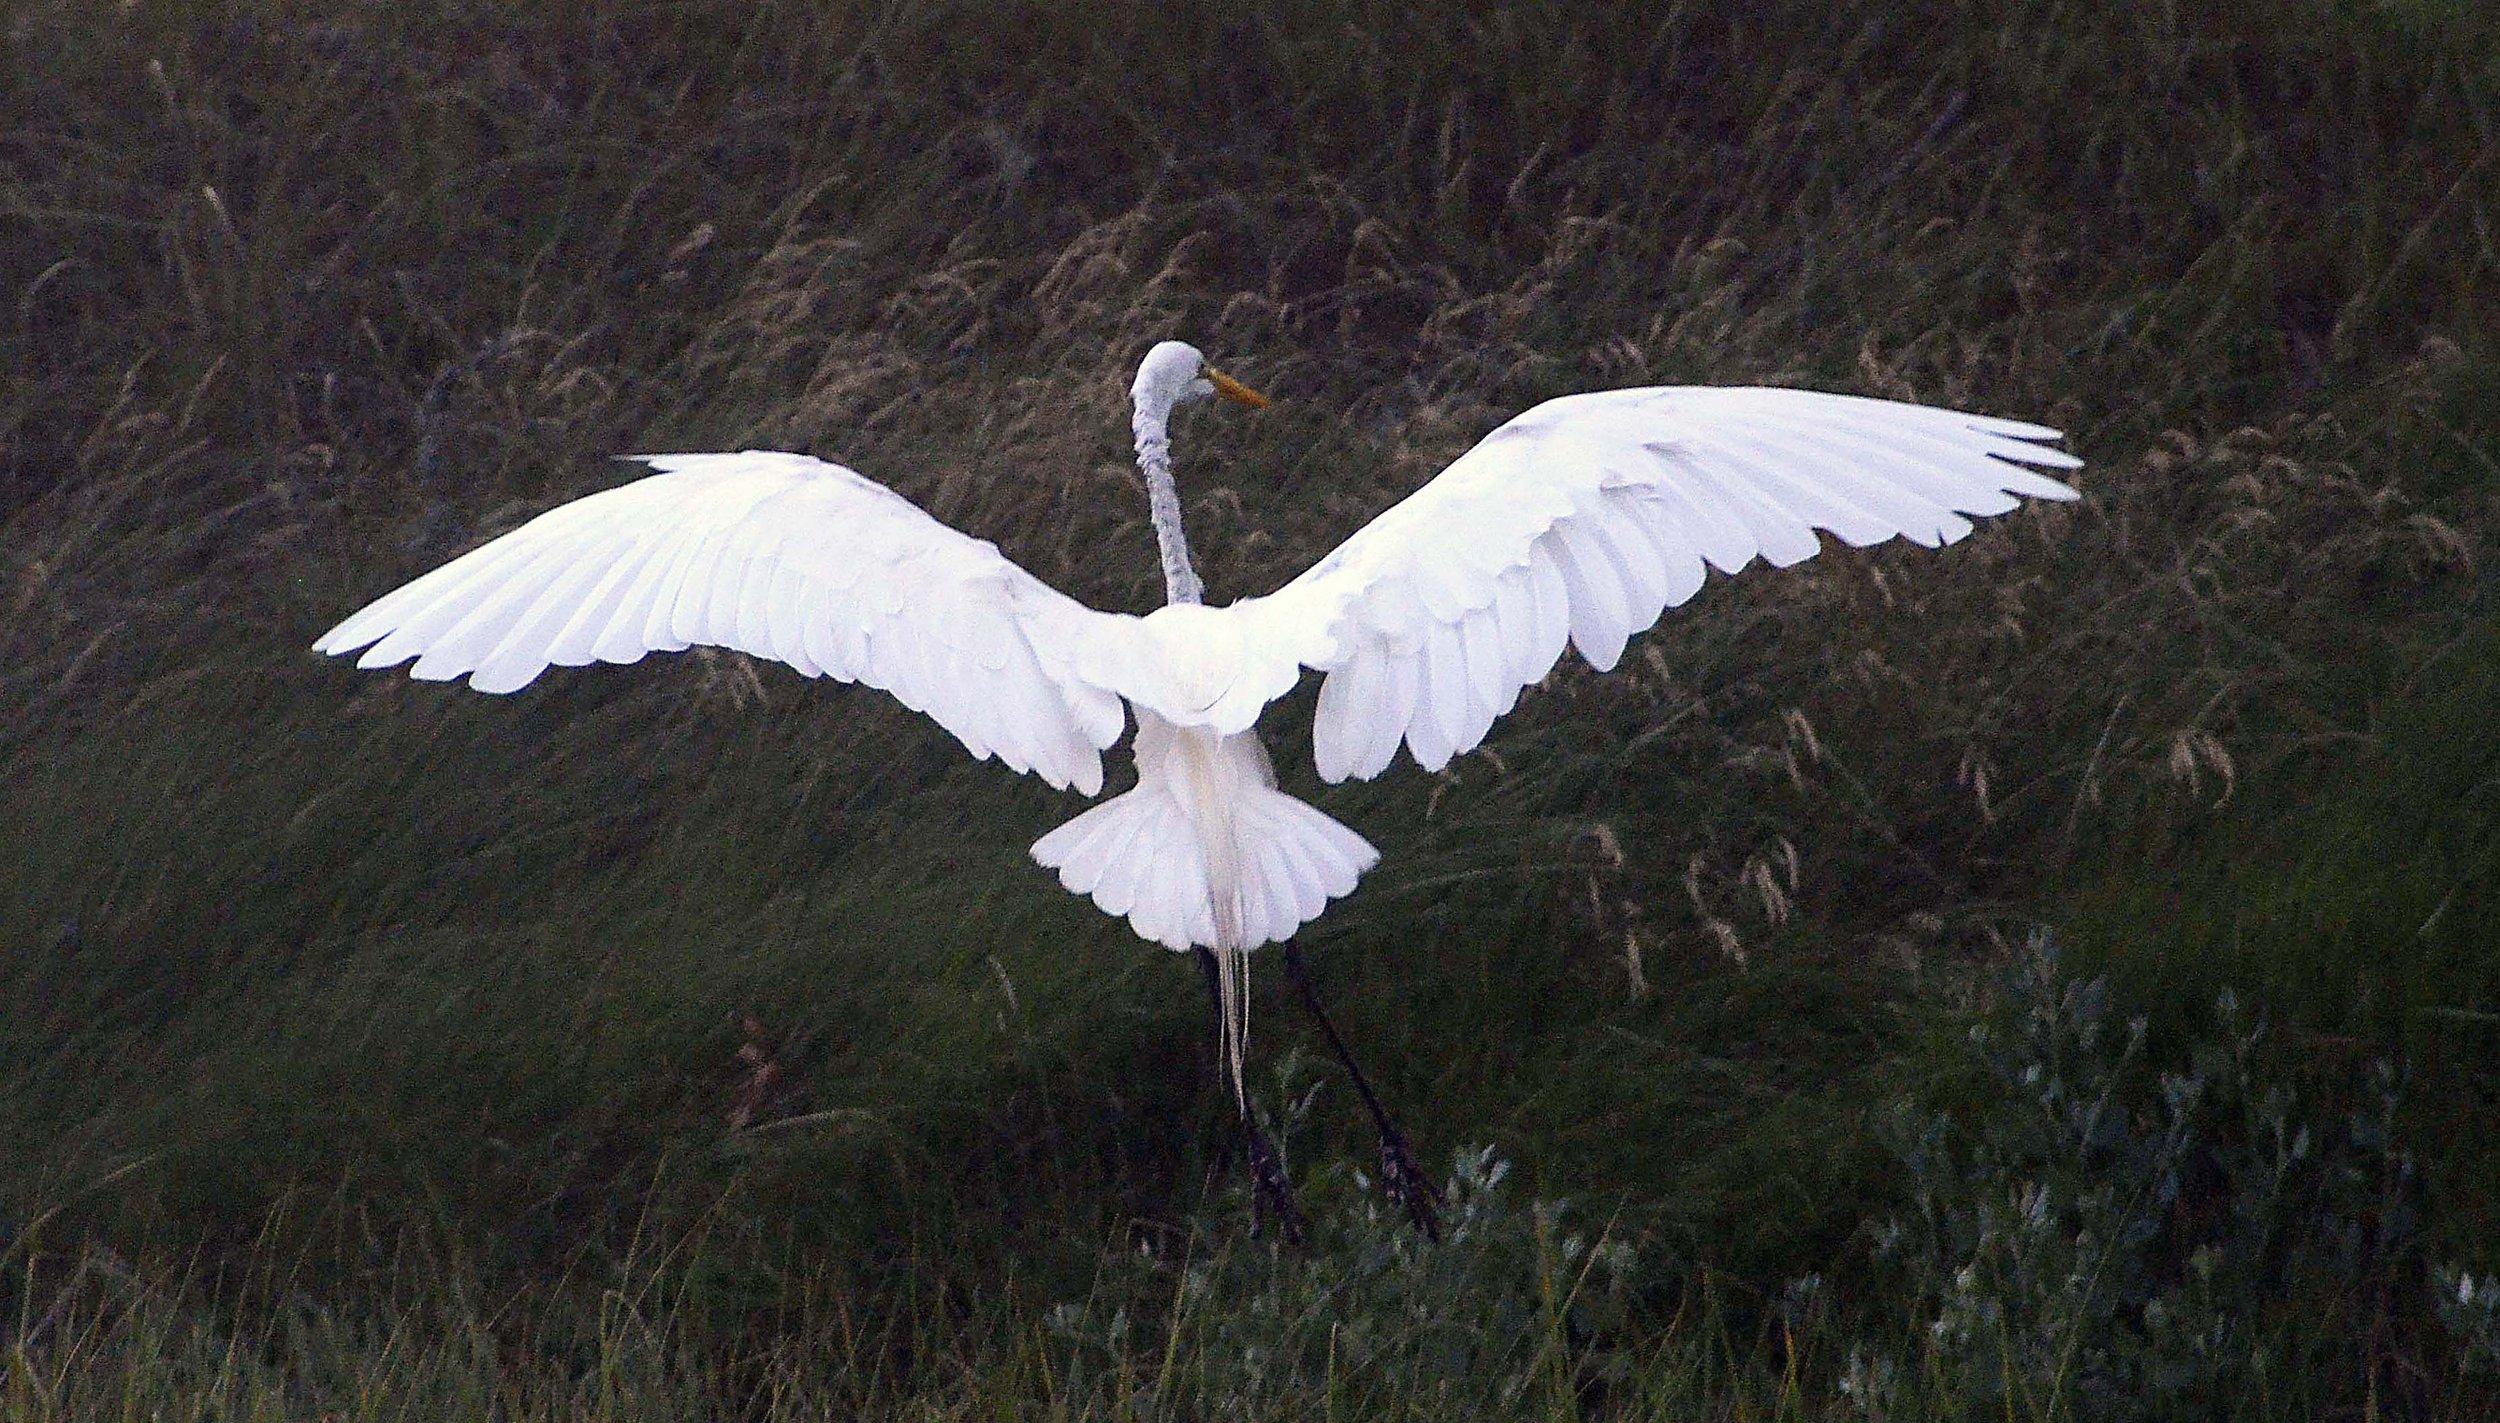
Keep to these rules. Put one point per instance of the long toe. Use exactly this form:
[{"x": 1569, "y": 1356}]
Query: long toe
[
  {"x": 1274, "y": 1193},
  {"x": 1408, "y": 1187}
]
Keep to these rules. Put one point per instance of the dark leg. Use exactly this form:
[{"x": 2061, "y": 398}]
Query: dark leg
[
  {"x": 1273, "y": 1194},
  {"x": 1399, "y": 1175}
]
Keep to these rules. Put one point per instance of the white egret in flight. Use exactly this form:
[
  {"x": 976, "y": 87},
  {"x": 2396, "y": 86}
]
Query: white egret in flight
[{"x": 1577, "y": 522}]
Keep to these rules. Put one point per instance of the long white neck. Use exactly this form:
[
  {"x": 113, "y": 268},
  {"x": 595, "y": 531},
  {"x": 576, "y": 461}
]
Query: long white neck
[{"x": 1154, "y": 460}]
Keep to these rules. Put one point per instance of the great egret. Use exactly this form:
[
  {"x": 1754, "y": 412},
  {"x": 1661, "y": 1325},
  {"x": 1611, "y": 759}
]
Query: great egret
[{"x": 1578, "y": 521}]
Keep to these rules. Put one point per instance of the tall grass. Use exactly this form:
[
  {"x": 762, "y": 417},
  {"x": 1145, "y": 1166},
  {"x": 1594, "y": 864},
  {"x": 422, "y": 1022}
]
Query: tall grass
[{"x": 352, "y": 1029}]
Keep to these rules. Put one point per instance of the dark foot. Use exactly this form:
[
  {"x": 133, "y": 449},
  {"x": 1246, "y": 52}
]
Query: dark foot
[
  {"x": 1271, "y": 1194},
  {"x": 1405, "y": 1183},
  {"x": 1273, "y": 1197},
  {"x": 1407, "y": 1187}
]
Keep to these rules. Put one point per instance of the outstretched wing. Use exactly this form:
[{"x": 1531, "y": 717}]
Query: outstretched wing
[
  {"x": 779, "y": 555},
  {"x": 1586, "y": 517}
]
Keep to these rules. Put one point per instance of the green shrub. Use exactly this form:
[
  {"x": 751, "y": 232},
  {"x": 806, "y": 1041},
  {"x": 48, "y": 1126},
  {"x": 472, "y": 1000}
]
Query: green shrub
[
  {"x": 1508, "y": 1315},
  {"x": 2112, "y": 1228}
]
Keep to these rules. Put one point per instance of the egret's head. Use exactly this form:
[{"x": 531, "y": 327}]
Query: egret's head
[{"x": 1174, "y": 373}]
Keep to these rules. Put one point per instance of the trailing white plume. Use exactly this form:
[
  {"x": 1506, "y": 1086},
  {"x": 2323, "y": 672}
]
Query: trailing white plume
[{"x": 1206, "y": 852}]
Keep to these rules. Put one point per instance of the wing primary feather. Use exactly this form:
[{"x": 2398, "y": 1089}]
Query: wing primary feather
[
  {"x": 1892, "y": 505},
  {"x": 432, "y": 601},
  {"x": 1970, "y": 476},
  {"x": 1822, "y": 502},
  {"x": 452, "y": 594},
  {"x": 628, "y": 634},
  {"x": 677, "y": 618},
  {"x": 522, "y": 652},
  {"x": 489, "y": 611},
  {"x": 1948, "y": 474},
  {"x": 576, "y": 643},
  {"x": 1782, "y": 536}
]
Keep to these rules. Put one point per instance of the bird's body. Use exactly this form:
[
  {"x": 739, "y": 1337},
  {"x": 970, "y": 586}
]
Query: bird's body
[
  {"x": 1206, "y": 852},
  {"x": 1578, "y": 523}
]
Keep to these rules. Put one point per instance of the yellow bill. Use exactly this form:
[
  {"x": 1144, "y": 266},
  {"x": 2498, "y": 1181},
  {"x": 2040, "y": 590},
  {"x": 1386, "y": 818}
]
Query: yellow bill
[{"x": 1232, "y": 389}]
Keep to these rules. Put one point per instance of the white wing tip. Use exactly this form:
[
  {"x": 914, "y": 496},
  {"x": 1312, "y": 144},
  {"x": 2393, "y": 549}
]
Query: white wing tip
[
  {"x": 2034, "y": 485},
  {"x": 2019, "y": 429},
  {"x": 378, "y": 655},
  {"x": 349, "y": 635},
  {"x": 2041, "y": 455}
]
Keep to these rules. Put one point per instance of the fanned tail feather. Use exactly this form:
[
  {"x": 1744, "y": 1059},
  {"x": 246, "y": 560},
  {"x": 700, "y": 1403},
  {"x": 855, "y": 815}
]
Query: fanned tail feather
[
  {"x": 1138, "y": 856},
  {"x": 1143, "y": 855}
]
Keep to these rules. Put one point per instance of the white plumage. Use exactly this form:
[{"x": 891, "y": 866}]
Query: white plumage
[
  {"x": 1577, "y": 522},
  {"x": 779, "y": 555}
]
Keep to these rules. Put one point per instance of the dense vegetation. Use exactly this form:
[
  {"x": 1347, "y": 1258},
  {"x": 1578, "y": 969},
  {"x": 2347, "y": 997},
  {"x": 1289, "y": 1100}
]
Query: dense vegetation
[{"x": 2054, "y": 977}]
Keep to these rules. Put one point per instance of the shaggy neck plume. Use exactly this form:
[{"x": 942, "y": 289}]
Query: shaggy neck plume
[{"x": 1154, "y": 457}]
